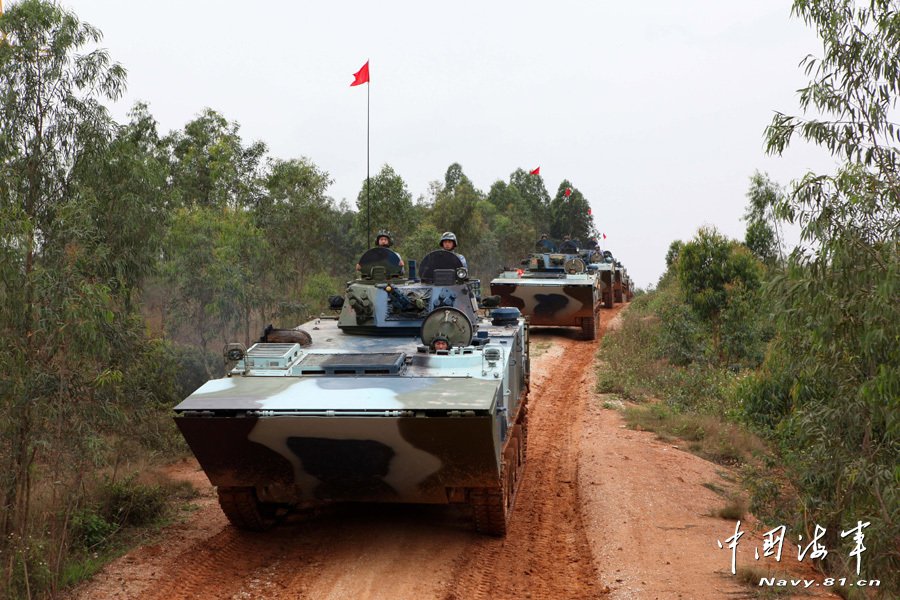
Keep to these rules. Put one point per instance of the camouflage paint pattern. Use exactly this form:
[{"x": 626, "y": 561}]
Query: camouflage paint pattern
[
  {"x": 361, "y": 418},
  {"x": 549, "y": 295}
]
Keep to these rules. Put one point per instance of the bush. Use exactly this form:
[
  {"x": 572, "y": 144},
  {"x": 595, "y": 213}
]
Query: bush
[
  {"x": 128, "y": 502},
  {"x": 90, "y": 529}
]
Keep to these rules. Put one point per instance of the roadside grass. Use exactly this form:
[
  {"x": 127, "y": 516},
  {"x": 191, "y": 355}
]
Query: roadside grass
[
  {"x": 705, "y": 435},
  {"x": 116, "y": 516}
]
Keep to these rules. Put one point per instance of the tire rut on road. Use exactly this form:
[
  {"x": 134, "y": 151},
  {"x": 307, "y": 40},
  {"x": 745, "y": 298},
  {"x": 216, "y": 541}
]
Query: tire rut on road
[{"x": 546, "y": 553}]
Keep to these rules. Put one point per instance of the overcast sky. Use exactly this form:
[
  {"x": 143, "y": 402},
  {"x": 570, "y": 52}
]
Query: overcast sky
[{"x": 655, "y": 110}]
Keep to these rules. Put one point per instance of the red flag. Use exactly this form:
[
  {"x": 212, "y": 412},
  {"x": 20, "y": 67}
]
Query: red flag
[
  {"x": 361, "y": 76},
  {"x": 568, "y": 192},
  {"x": 590, "y": 211},
  {"x": 537, "y": 171},
  {"x": 604, "y": 236}
]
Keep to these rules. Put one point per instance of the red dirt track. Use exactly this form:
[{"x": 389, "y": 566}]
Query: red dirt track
[{"x": 602, "y": 512}]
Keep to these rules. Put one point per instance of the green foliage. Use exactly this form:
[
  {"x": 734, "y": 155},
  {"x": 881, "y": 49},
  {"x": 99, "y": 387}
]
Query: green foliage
[
  {"x": 681, "y": 338},
  {"x": 90, "y": 529},
  {"x": 390, "y": 204},
  {"x": 834, "y": 372},
  {"x": 708, "y": 266},
  {"x": 210, "y": 165},
  {"x": 570, "y": 215},
  {"x": 672, "y": 253},
  {"x": 129, "y": 502},
  {"x": 762, "y": 237}
]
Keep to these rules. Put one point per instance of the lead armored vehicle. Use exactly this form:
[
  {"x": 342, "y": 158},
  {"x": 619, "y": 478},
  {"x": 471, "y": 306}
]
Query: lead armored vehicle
[
  {"x": 412, "y": 394},
  {"x": 555, "y": 287}
]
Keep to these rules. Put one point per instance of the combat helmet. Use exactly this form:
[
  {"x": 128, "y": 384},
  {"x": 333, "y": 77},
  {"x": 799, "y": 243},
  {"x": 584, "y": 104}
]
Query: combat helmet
[
  {"x": 449, "y": 235},
  {"x": 387, "y": 234}
]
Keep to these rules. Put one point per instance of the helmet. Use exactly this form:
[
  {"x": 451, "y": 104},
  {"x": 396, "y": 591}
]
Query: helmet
[
  {"x": 449, "y": 235},
  {"x": 440, "y": 338},
  {"x": 387, "y": 234}
]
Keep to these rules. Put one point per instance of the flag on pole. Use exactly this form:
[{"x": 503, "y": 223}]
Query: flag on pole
[
  {"x": 361, "y": 76},
  {"x": 604, "y": 236},
  {"x": 590, "y": 211},
  {"x": 537, "y": 171},
  {"x": 568, "y": 192}
]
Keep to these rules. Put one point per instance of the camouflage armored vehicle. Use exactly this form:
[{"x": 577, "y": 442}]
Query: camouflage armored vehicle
[
  {"x": 627, "y": 287},
  {"x": 619, "y": 283},
  {"x": 554, "y": 288},
  {"x": 606, "y": 273},
  {"x": 411, "y": 395}
]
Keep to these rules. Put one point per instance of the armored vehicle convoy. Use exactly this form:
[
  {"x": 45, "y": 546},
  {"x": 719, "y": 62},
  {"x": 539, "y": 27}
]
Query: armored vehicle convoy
[
  {"x": 555, "y": 287},
  {"x": 411, "y": 395}
]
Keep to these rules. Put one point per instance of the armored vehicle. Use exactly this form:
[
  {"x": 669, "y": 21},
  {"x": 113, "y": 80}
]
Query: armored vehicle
[
  {"x": 413, "y": 394},
  {"x": 606, "y": 273},
  {"x": 627, "y": 286},
  {"x": 555, "y": 287},
  {"x": 619, "y": 283}
]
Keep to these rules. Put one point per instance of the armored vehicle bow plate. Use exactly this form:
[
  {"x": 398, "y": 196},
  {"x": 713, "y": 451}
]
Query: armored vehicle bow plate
[
  {"x": 413, "y": 394},
  {"x": 556, "y": 286}
]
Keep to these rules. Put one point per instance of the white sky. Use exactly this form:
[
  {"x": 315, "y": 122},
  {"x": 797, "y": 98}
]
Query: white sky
[{"x": 655, "y": 110}]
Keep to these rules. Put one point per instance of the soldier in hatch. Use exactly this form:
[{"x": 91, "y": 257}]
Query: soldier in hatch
[
  {"x": 383, "y": 240},
  {"x": 448, "y": 243}
]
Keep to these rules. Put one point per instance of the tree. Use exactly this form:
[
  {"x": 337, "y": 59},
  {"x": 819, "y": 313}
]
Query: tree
[
  {"x": 124, "y": 184},
  {"x": 298, "y": 219},
  {"x": 835, "y": 368},
  {"x": 761, "y": 236},
  {"x": 455, "y": 176},
  {"x": 211, "y": 166},
  {"x": 713, "y": 271},
  {"x": 513, "y": 223},
  {"x": 673, "y": 253},
  {"x": 213, "y": 263},
  {"x": 57, "y": 312},
  {"x": 531, "y": 188},
  {"x": 389, "y": 203},
  {"x": 570, "y": 215}
]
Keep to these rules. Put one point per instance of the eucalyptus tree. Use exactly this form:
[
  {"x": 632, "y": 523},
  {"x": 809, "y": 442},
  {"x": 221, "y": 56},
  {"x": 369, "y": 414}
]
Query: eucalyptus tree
[
  {"x": 513, "y": 223},
  {"x": 55, "y": 313},
  {"x": 834, "y": 375},
  {"x": 534, "y": 193},
  {"x": 302, "y": 226},
  {"x": 211, "y": 166},
  {"x": 384, "y": 203},
  {"x": 762, "y": 227}
]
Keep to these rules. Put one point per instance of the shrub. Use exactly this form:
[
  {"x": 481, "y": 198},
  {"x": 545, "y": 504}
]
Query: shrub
[{"x": 129, "y": 502}]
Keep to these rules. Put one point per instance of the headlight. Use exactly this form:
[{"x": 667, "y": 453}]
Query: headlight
[{"x": 462, "y": 273}]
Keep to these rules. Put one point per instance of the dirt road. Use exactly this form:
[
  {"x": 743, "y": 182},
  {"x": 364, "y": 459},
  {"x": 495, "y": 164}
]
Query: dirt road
[{"x": 602, "y": 512}]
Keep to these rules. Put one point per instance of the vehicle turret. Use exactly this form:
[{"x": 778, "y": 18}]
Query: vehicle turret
[{"x": 382, "y": 300}]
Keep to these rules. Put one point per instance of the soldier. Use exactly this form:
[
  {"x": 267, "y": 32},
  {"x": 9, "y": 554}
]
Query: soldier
[
  {"x": 384, "y": 240},
  {"x": 440, "y": 343},
  {"x": 448, "y": 242}
]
